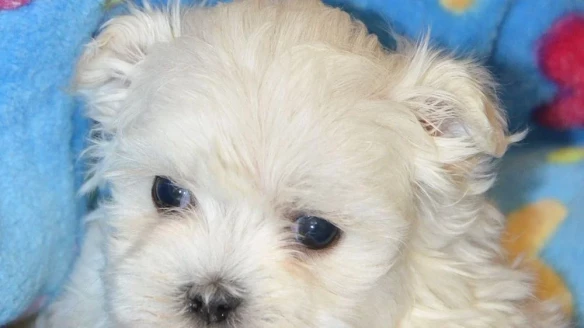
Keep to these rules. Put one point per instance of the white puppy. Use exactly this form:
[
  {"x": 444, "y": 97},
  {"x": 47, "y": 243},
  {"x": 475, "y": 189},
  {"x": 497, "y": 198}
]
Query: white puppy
[{"x": 271, "y": 165}]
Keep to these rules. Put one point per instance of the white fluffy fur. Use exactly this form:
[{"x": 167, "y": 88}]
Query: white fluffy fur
[{"x": 266, "y": 108}]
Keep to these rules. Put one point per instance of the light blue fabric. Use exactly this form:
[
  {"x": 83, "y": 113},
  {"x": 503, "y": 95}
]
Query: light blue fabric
[
  {"x": 39, "y": 209},
  {"x": 472, "y": 32},
  {"x": 41, "y": 130},
  {"x": 527, "y": 176}
]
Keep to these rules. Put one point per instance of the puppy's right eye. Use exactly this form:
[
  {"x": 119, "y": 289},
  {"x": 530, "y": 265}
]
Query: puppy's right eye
[
  {"x": 167, "y": 195},
  {"x": 315, "y": 233}
]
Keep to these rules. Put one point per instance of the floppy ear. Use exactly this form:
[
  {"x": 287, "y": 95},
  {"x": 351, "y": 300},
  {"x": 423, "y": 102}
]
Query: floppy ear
[
  {"x": 108, "y": 65},
  {"x": 453, "y": 99},
  {"x": 462, "y": 130},
  {"x": 107, "y": 70}
]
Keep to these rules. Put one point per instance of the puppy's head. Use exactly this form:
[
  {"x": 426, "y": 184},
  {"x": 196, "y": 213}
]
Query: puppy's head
[{"x": 267, "y": 163}]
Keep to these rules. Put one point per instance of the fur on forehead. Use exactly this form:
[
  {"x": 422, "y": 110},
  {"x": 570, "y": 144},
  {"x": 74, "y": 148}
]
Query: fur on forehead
[
  {"x": 286, "y": 73},
  {"x": 186, "y": 84}
]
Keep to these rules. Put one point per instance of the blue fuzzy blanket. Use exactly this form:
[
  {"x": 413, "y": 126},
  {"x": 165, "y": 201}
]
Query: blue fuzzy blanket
[
  {"x": 39, "y": 209},
  {"x": 41, "y": 131}
]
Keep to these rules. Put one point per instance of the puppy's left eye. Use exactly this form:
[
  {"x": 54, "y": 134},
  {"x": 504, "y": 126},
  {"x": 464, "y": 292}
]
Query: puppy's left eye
[
  {"x": 167, "y": 195},
  {"x": 314, "y": 232}
]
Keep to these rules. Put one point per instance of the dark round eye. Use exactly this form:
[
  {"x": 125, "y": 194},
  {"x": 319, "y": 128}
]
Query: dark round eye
[
  {"x": 167, "y": 195},
  {"x": 314, "y": 232}
]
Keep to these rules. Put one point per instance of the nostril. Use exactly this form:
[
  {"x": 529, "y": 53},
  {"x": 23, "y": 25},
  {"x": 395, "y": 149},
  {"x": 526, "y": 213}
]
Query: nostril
[
  {"x": 221, "y": 311},
  {"x": 196, "y": 303},
  {"x": 223, "y": 308}
]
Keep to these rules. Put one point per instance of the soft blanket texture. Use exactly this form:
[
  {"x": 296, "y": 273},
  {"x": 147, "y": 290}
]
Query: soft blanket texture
[
  {"x": 41, "y": 131},
  {"x": 39, "y": 210}
]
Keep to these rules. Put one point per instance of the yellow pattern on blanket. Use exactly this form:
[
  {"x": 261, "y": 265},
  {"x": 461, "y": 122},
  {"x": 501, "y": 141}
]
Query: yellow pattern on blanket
[{"x": 528, "y": 230}]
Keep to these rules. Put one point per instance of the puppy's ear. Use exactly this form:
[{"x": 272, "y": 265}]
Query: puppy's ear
[
  {"x": 462, "y": 128},
  {"x": 453, "y": 99},
  {"x": 108, "y": 65}
]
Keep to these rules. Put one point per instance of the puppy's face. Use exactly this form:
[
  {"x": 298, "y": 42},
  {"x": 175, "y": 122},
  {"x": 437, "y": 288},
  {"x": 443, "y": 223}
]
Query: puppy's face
[
  {"x": 272, "y": 199},
  {"x": 262, "y": 173}
]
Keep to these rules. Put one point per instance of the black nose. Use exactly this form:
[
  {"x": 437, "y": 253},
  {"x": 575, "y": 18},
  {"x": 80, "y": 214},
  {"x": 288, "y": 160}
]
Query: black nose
[{"x": 214, "y": 310}]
